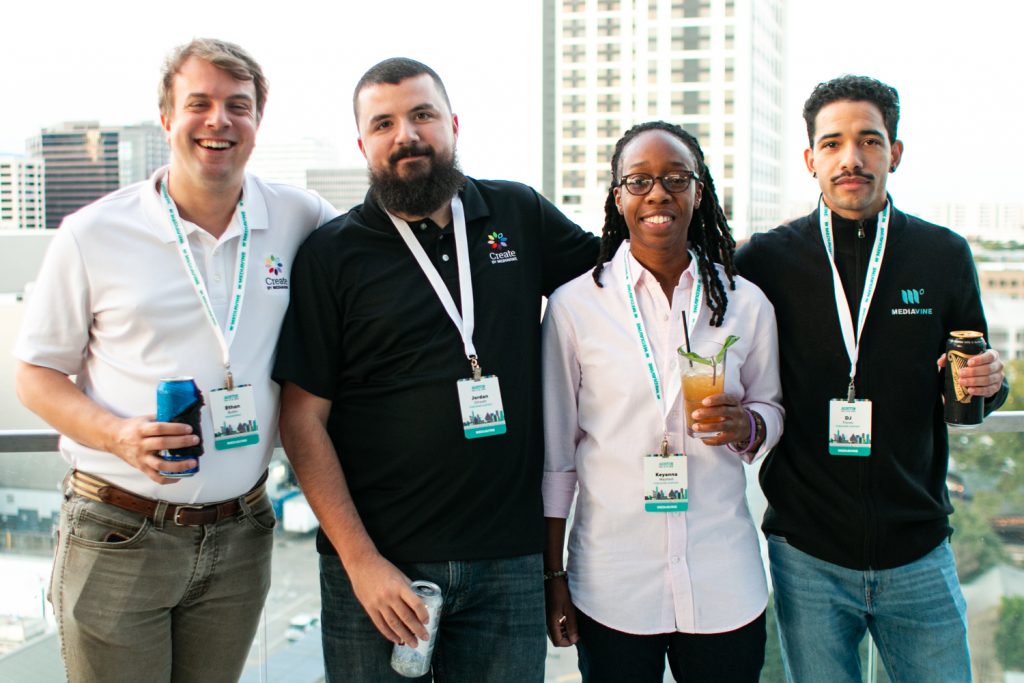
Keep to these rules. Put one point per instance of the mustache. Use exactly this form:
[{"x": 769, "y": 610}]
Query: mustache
[
  {"x": 413, "y": 150},
  {"x": 854, "y": 174}
]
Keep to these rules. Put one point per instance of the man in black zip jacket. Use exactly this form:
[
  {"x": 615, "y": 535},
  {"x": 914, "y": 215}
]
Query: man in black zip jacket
[{"x": 858, "y": 517}]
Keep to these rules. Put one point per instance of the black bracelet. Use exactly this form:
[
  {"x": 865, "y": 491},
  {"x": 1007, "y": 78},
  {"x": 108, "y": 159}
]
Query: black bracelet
[{"x": 554, "y": 574}]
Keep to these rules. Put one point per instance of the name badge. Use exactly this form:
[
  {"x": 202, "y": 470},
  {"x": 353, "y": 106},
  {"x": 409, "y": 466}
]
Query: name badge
[
  {"x": 665, "y": 483},
  {"x": 234, "y": 417},
  {"x": 849, "y": 427},
  {"x": 480, "y": 404}
]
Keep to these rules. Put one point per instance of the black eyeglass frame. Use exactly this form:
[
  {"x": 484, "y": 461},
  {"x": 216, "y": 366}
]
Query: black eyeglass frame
[{"x": 664, "y": 179}]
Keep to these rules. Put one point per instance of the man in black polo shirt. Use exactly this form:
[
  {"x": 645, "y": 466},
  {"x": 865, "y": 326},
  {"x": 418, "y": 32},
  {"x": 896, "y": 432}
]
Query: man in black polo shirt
[
  {"x": 858, "y": 536},
  {"x": 410, "y": 365}
]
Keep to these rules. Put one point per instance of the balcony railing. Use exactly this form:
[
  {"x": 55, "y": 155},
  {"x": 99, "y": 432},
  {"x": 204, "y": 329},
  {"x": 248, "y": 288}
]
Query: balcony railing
[{"x": 45, "y": 441}]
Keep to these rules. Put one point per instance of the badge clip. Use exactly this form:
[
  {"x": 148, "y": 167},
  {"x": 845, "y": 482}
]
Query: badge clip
[{"x": 475, "y": 365}]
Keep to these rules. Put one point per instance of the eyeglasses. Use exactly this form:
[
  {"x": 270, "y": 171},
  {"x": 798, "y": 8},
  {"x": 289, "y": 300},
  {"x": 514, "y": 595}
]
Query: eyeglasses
[{"x": 640, "y": 184}]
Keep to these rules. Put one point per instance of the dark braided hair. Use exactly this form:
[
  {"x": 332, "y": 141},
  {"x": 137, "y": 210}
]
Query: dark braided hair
[{"x": 708, "y": 233}]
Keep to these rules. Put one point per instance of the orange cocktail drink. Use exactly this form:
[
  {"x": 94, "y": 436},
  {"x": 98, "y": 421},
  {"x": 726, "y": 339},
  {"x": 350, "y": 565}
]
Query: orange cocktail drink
[
  {"x": 702, "y": 376},
  {"x": 697, "y": 387}
]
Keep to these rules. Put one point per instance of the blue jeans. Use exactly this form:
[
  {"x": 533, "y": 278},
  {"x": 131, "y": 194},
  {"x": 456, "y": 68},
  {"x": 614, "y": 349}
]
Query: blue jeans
[
  {"x": 916, "y": 614},
  {"x": 141, "y": 600},
  {"x": 492, "y": 623}
]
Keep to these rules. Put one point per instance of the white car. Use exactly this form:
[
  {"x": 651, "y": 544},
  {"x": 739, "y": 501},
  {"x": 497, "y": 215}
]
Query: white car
[{"x": 300, "y": 624}]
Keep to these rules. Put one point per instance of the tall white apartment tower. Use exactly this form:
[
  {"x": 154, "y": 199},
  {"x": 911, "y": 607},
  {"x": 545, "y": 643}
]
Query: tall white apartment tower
[
  {"x": 22, "y": 196},
  {"x": 713, "y": 67}
]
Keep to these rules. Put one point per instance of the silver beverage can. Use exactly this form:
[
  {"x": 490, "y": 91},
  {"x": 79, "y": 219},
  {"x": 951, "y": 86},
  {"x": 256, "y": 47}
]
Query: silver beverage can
[{"x": 413, "y": 662}]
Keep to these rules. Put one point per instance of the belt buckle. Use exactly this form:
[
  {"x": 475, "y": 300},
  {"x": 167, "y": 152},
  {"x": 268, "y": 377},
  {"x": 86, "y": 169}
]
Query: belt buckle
[{"x": 185, "y": 507}]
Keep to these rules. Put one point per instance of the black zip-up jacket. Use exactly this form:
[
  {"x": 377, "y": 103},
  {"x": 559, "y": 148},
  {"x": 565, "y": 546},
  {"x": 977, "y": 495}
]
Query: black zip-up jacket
[{"x": 891, "y": 507}]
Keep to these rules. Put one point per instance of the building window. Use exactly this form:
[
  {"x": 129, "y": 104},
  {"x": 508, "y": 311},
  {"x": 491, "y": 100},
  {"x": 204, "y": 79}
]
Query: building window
[
  {"x": 609, "y": 128},
  {"x": 691, "y": 103},
  {"x": 691, "y": 8},
  {"x": 691, "y": 71},
  {"x": 572, "y": 179},
  {"x": 608, "y": 78},
  {"x": 573, "y": 104},
  {"x": 573, "y": 28},
  {"x": 608, "y": 27},
  {"x": 608, "y": 103},
  {"x": 573, "y": 79},
  {"x": 609, "y": 52},
  {"x": 574, "y": 53},
  {"x": 573, "y": 129},
  {"x": 573, "y": 154},
  {"x": 691, "y": 38}
]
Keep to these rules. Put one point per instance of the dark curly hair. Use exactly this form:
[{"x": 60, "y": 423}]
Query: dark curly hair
[
  {"x": 854, "y": 89},
  {"x": 708, "y": 233}
]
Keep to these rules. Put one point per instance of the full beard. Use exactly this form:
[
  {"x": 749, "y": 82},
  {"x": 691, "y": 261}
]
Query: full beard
[{"x": 420, "y": 194}]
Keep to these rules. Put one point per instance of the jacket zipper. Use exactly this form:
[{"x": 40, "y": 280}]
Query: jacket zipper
[{"x": 864, "y": 469}]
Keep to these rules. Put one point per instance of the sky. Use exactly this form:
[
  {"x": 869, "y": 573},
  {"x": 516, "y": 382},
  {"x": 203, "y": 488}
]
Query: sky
[{"x": 952, "y": 63}]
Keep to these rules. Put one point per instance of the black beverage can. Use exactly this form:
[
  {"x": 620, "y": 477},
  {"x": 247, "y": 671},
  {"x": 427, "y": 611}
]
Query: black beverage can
[
  {"x": 962, "y": 409},
  {"x": 178, "y": 399}
]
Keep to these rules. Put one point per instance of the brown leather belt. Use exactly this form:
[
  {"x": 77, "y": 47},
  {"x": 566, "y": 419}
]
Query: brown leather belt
[{"x": 96, "y": 489}]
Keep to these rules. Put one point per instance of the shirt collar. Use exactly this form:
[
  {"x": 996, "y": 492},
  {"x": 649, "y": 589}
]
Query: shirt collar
[
  {"x": 473, "y": 205},
  {"x": 641, "y": 275},
  {"x": 157, "y": 218}
]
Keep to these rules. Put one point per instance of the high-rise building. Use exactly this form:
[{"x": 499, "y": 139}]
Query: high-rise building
[
  {"x": 141, "y": 149},
  {"x": 288, "y": 161},
  {"x": 1005, "y": 317},
  {"x": 342, "y": 187},
  {"x": 712, "y": 66},
  {"x": 22, "y": 195},
  {"x": 991, "y": 221},
  {"x": 84, "y": 161}
]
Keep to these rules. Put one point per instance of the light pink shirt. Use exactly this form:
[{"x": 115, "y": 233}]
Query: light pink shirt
[{"x": 698, "y": 571}]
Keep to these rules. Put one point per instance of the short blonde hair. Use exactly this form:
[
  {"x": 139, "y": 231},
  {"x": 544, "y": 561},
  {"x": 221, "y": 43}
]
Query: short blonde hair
[{"x": 225, "y": 56}]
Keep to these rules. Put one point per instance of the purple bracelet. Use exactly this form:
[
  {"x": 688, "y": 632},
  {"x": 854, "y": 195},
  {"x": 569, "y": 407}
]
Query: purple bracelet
[{"x": 753, "y": 435}]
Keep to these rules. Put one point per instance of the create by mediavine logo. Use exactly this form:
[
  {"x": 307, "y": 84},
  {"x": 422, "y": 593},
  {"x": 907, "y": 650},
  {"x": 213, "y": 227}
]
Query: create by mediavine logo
[
  {"x": 274, "y": 265},
  {"x": 497, "y": 240}
]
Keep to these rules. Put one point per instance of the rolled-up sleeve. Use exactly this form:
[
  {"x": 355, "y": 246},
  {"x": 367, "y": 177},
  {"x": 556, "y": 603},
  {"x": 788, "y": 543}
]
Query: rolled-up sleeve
[{"x": 561, "y": 424}]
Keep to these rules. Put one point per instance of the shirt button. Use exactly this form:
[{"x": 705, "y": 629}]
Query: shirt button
[
  {"x": 444, "y": 257},
  {"x": 423, "y": 226},
  {"x": 216, "y": 278},
  {"x": 675, "y": 559}
]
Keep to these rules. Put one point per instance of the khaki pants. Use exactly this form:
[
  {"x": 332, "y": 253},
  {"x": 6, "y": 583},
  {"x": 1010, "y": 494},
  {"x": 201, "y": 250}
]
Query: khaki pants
[{"x": 138, "y": 600}]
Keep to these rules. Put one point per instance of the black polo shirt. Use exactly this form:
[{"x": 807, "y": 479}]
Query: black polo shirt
[{"x": 366, "y": 330}]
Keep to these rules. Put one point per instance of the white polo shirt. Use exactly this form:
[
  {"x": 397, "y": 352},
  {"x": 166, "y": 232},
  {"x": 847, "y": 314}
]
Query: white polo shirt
[{"x": 113, "y": 305}]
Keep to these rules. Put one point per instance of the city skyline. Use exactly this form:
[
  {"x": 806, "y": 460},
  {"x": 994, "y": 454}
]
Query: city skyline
[{"x": 949, "y": 71}]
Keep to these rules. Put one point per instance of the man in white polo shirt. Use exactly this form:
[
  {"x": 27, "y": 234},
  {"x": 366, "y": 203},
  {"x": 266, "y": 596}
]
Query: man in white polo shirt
[{"x": 159, "y": 576}]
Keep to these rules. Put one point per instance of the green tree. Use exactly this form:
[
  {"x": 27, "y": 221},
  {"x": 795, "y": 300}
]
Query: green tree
[
  {"x": 1009, "y": 640},
  {"x": 993, "y": 466}
]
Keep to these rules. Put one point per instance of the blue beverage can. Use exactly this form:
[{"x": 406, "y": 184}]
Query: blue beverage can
[{"x": 178, "y": 399}]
